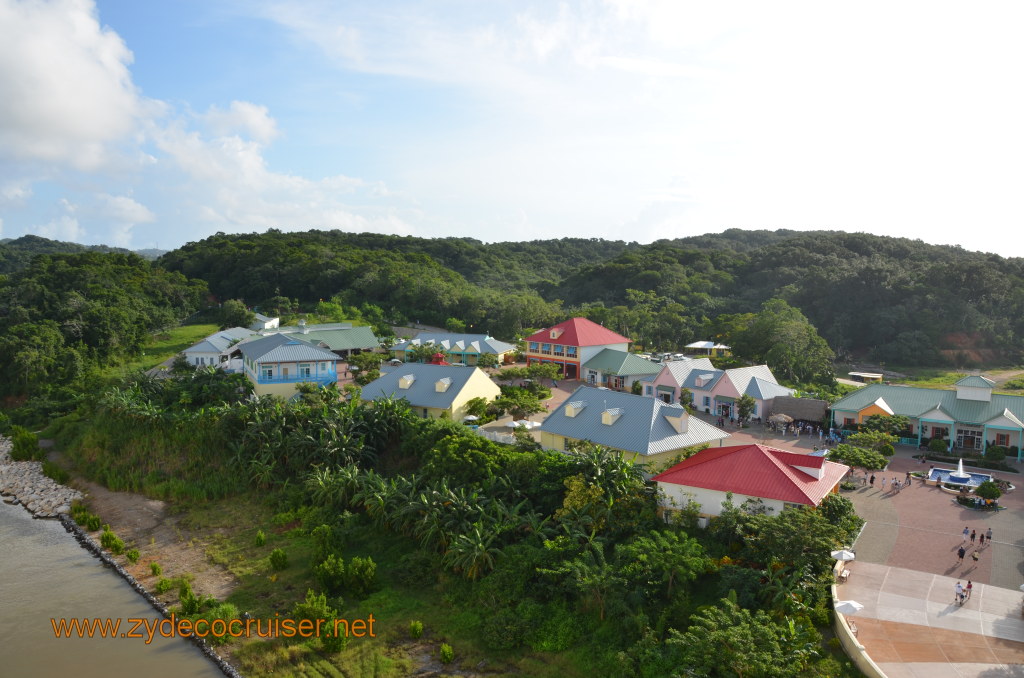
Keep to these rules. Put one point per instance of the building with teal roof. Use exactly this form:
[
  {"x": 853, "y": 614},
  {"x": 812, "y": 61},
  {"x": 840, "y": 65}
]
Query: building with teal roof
[
  {"x": 969, "y": 417},
  {"x": 617, "y": 369}
]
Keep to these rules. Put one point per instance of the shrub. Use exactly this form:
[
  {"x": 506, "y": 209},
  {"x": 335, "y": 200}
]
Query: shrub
[
  {"x": 261, "y": 538},
  {"x": 25, "y": 445},
  {"x": 132, "y": 555},
  {"x": 361, "y": 575},
  {"x": 155, "y": 569},
  {"x": 93, "y": 523},
  {"x": 313, "y": 607},
  {"x": 111, "y": 541},
  {"x": 995, "y": 453},
  {"x": 163, "y": 585},
  {"x": 988, "y": 490},
  {"x": 503, "y": 631},
  {"x": 56, "y": 473},
  {"x": 938, "y": 445},
  {"x": 447, "y": 653},
  {"x": 331, "y": 574},
  {"x": 190, "y": 602},
  {"x": 887, "y": 450},
  {"x": 278, "y": 559},
  {"x": 415, "y": 629},
  {"x": 847, "y": 485}
]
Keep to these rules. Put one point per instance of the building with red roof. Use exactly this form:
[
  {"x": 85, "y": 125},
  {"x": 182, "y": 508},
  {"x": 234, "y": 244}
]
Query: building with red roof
[
  {"x": 779, "y": 478},
  {"x": 571, "y": 343}
]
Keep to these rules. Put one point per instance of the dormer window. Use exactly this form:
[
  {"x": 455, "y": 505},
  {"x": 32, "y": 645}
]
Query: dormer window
[
  {"x": 610, "y": 416},
  {"x": 575, "y": 407},
  {"x": 406, "y": 381},
  {"x": 556, "y": 333},
  {"x": 677, "y": 420},
  {"x": 441, "y": 385}
]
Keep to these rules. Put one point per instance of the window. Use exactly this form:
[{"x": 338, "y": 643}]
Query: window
[
  {"x": 1003, "y": 439},
  {"x": 533, "y": 346},
  {"x": 570, "y": 351},
  {"x": 305, "y": 370},
  {"x": 648, "y": 390},
  {"x": 559, "y": 349},
  {"x": 707, "y": 401},
  {"x": 267, "y": 372},
  {"x": 847, "y": 421},
  {"x": 545, "y": 349},
  {"x": 566, "y": 445}
]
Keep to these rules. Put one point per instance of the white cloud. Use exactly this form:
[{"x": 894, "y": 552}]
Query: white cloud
[
  {"x": 68, "y": 98},
  {"x": 242, "y": 116},
  {"x": 64, "y": 228}
]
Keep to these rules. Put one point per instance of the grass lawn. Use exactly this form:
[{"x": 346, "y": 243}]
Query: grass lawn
[
  {"x": 163, "y": 346},
  {"x": 927, "y": 377}
]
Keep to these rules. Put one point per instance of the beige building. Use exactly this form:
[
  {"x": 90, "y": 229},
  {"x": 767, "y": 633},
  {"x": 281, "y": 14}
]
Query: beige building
[
  {"x": 278, "y": 363},
  {"x": 433, "y": 390}
]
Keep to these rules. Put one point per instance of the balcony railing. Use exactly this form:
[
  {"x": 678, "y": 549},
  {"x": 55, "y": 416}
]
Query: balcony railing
[{"x": 322, "y": 379}]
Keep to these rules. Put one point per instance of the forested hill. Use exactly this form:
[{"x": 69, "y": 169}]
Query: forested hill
[{"x": 15, "y": 254}]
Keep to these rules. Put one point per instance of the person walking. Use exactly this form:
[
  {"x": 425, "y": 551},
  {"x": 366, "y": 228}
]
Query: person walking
[
  {"x": 981, "y": 541},
  {"x": 968, "y": 588},
  {"x": 958, "y": 593},
  {"x": 960, "y": 553},
  {"x": 871, "y": 481},
  {"x": 884, "y": 481},
  {"x": 988, "y": 535},
  {"x": 967, "y": 532},
  {"x": 974, "y": 535},
  {"x": 974, "y": 556},
  {"x": 907, "y": 480}
]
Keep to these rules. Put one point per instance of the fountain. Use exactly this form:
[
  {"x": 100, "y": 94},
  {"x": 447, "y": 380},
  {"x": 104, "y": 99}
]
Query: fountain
[{"x": 959, "y": 476}]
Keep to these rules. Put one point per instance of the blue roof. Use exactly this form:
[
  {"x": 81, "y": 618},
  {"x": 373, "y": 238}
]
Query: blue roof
[
  {"x": 422, "y": 391},
  {"x": 284, "y": 348},
  {"x": 459, "y": 343},
  {"x": 641, "y": 425}
]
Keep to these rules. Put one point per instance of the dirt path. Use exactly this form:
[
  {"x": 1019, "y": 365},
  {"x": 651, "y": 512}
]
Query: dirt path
[{"x": 148, "y": 525}]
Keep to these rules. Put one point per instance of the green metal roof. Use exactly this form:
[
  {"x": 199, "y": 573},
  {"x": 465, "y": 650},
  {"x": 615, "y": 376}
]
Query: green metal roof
[
  {"x": 343, "y": 339},
  {"x": 976, "y": 382},
  {"x": 621, "y": 363},
  {"x": 913, "y": 402}
]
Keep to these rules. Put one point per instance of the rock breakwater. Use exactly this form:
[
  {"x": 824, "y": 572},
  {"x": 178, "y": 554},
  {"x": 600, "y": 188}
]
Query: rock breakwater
[{"x": 25, "y": 484}]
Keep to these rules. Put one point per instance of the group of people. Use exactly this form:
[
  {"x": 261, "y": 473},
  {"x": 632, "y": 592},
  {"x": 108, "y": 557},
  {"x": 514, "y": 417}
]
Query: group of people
[
  {"x": 962, "y": 593},
  {"x": 973, "y": 535},
  {"x": 897, "y": 484}
]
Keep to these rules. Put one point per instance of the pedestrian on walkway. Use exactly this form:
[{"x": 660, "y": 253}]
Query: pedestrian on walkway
[
  {"x": 974, "y": 556},
  {"x": 884, "y": 481},
  {"x": 907, "y": 482},
  {"x": 872, "y": 480},
  {"x": 968, "y": 589},
  {"x": 981, "y": 541},
  {"x": 958, "y": 593},
  {"x": 960, "y": 553},
  {"x": 988, "y": 535},
  {"x": 974, "y": 534},
  {"x": 967, "y": 531}
]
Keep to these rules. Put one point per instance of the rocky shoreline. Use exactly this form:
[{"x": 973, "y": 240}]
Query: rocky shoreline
[{"x": 23, "y": 482}]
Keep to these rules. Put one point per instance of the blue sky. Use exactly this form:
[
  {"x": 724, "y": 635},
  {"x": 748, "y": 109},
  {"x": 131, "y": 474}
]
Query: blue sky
[{"x": 146, "y": 124}]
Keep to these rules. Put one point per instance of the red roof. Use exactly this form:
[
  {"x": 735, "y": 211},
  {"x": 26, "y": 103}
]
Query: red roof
[
  {"x": 579, "y": 332},
  {"x": 757, "y": 471}
]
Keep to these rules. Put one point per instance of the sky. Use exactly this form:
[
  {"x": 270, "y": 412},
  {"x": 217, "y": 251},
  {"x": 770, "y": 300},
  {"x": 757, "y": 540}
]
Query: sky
[{"x": 152, "y": 124}]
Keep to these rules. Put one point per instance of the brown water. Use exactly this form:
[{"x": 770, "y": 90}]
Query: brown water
[{"x": 45, "y": 574}]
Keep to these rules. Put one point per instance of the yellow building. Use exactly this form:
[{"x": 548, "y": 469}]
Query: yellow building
[
  {"x": 278, "y": 363},
  {"x": 433, "y": 390}
]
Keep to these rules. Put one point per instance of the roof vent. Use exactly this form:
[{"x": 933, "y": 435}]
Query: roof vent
[
  {"x": 302, "y": 326},
  {"x": 610, "y": 416},
  {"x": 575, "y": 407},
  {"x": 406, "y": 381},
  {"x": 441, "y": 385}
]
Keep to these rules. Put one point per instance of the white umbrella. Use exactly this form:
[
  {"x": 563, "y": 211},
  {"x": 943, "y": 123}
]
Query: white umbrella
[
  {"x": 844, "y": 555},
  {"x": 848, "y": 607},
  {"x": 523, "y": 424},
  {"x": 471, "y": 417}
]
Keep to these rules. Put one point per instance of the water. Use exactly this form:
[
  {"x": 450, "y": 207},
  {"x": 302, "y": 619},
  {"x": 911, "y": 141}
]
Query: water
[
  {"x": 44, "y": 573},
  {"x": 943, "y": 475}
]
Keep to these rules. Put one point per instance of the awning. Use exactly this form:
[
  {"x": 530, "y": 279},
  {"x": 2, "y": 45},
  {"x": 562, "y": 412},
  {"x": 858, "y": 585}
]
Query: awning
[{"x": 724, "y": 399}]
